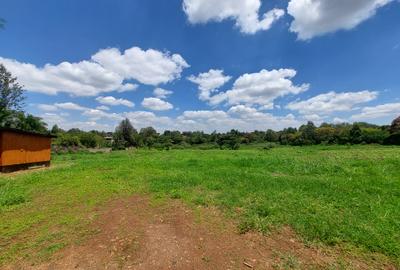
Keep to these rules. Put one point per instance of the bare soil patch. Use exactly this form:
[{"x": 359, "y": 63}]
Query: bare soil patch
[{"x": 133, "y": 233}]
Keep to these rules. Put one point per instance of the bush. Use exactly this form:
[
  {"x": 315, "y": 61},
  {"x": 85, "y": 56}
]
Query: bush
[
  {"x": 269, "y": 146},
  {"x": 208, "y": 146},
  {"x": 67, "y": 140},
  {"x": 91, "y": 140},
  {"x": 393, "y": 139},
  {"x": 88, "y": 140},
  {"x": 373, "y": 135}
]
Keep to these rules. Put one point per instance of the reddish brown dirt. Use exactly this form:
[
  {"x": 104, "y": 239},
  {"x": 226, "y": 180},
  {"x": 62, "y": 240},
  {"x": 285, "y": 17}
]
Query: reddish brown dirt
[{"x": 134, "y": 234}]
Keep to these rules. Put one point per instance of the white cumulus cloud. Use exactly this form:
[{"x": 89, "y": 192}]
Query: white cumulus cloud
[
  {"x": 142, "y": 119},
  {"x": 384, "y": 110},
  {"x": 209, "y": 82},
  {"x": 112, "y": 101},
  {"x": 156, "y": 104},
  {"x": 260, "y": 88},
  {"x": 47, "y": 107},
  {"x": 148, "y": 67},
  {"x": 103, "y": 108},
  {"x": 317, "y": 17},
  {"x": 84, "y": 78},
  {"x": 128, "y": 87},
  {"x": 107, "y": 71},
  {"x": 95, "y": 115},
  {"x": 70, "y": 106},
  {"x": 161, "y": 93},
  {"x": 332, "y": 102},
  {"x": 245, "y": 13},
  {"x": 239, "y": 117}
]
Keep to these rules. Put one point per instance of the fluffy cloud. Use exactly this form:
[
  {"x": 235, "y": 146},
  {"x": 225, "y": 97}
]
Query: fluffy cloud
[
  {"x": 244, "y": 111},
  {"x": 95, "y": 115},
  {"x": 141, "y": 119},
  {"x": 161, "y": 93},
  {"x": 317, "y": 119},
  {"x": 244, "y": 12},
  {"x": 240, "y": 117},
  {"x": 209, "y": 115},
  {"x": 56, "y": 119},
  {"x": 317, "y": 17},
  {"x": 65, "y": 106},
  {"x": 53, "y": 118},
  {"x": 103, "y": 108},
  {"x": 112, "y": 101},
  {"x": 106, "y": 72},
  {"x": 338, "y": 120},
  {"x": 156, "y": 104},
  {"x": 79, "y": 79},
  {"x": 128, "y": 87},
  {"x": 148, "y": 67},
  {"x": 88, "y": 125},
  {"x": 332, "y": 102},
  {"x": 385, "y": 110},
  {"x": 260, "y": 88},
  {"x": 47, "y": 107},
  {"x": 209, "y": 82},
  {"x": 70, "y": 106}
]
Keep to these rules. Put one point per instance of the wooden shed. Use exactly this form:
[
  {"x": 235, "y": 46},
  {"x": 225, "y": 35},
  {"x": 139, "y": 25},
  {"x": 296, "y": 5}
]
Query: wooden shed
[{"x": 22, "y": 149}]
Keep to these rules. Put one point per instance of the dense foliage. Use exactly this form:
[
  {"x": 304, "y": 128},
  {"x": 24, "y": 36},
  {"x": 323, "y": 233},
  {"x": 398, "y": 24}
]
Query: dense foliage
[
  {"x": 22, "y": 121},
  {"x": 75, "y": 139},
  {"x": 11, "y": 93},
  {"x": 11, "y": 103},
  {"x": 125, "y": 135},
  {"x": 308, "y": 134}
]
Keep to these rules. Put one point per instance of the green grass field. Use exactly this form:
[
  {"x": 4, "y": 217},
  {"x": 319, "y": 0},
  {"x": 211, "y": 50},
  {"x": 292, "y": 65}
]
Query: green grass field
[{"x": 344, "y": 196}]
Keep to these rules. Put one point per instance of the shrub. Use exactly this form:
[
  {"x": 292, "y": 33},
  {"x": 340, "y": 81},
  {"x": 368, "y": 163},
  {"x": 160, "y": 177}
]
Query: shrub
[
  {"x": 91, "y": 140},
  {"x": 67, "y": 140},
  {"x": 393, "y": 139},
  {"x": 269, "y": 146},
  {"x": 374, "y": 135}
]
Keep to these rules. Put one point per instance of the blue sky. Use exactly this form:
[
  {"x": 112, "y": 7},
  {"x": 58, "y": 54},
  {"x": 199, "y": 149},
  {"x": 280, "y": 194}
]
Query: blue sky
[{"x": 216, "y": 64}]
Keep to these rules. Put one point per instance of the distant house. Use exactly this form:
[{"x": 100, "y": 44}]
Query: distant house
[
  {"x": 109, "y": 139},
  {"x": 22, "y": 149}
]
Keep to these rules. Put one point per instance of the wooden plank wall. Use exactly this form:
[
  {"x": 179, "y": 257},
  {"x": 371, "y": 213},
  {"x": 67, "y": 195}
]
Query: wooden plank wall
[{"x": 23, "y": 148}]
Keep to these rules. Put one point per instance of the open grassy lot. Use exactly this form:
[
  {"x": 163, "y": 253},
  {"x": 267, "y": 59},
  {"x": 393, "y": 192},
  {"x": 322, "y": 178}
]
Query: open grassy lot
[{"x": 344, "y": 196}]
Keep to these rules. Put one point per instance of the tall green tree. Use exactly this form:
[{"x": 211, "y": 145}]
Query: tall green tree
[
  {"x": 11, "y": 98},
  {"x": 11, "y": 92},
  {"x": 55, "y": 129},
  {"x": 34, "y": 123},
  {"x": 355, "y": 134},
  {"x": 395, "y": 127},
  {"x": 148, "y": 136},
  {"x": 271, "y": 136},
  {"x": 125, "y": 135},
  {"x": 308, "y": 133}
]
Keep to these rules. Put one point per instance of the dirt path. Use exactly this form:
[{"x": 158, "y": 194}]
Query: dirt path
[{"x": 133, "y": 234}]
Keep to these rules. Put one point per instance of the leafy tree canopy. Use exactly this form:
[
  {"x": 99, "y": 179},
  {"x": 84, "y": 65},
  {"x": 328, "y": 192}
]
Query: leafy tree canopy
[
  {"x": 125, "y": 135},
  {"x": 395, "y": 127},
  {"x": 11, "y": 92}
]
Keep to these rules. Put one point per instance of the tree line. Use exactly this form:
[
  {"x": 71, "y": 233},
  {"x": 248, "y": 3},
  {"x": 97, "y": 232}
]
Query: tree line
[{"x": 126, "y": 136}]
